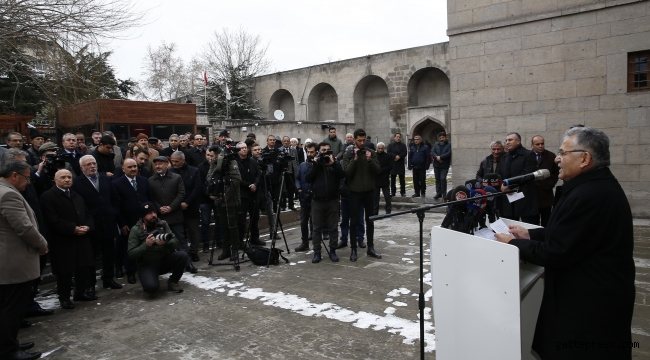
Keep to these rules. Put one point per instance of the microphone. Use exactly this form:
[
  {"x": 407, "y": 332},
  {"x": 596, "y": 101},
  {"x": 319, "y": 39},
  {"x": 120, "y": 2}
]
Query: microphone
[
  {"x": 492, "y": 179},
  {"x": 524, "y": 179},
  {"x": 456, "y": 212}
]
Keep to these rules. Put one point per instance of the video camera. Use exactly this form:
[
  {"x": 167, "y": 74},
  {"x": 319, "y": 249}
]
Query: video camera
[
  {"x": 322, "y": 158},
  {"x": 277, "y": 155},
  {"x": 54, "y": 163},
  {"x": 230, "y": 152}
]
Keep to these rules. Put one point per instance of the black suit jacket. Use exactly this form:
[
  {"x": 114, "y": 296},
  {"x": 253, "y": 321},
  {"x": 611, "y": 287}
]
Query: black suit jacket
[
  {"x": 73, "y": 161},
  {"x": 544, "y": 188},
  {"x": 193, "y": 188},
  {"x": 127, "y": 200},
  {"x": 519, "y": 161},
  {"x": 119, "y": 173},
  {"x": 68, "y": 251},
  {"x": 250, "y": 175},
  {"x": 194, "y": 157},
  {"x": 99, "y": 203}
]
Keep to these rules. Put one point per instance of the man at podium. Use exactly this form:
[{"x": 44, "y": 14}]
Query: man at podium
[{"x": 586, "y": 249}]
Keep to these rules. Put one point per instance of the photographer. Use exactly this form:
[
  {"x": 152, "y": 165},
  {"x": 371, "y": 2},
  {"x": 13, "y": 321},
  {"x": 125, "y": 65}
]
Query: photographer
[
  {"x": 361, "y": 167},
  {"x": 155, "y": 255},
  {"x": 250, "y": 181},
  {"x": 225, "y": 179},
  {"x": 305, "y": 197},
  {"x": 50, "y": 163},
  {"x": 325, "y": 174}
]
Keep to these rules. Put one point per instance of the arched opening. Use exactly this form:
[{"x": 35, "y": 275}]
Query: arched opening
[
  {"x": 429, "y": 87},
  {"x": 323, "y": 103},
  {"x": 371, "y": 107},
  {"x": 282, "y": 100},
  {"x": 428, "y": 128}
]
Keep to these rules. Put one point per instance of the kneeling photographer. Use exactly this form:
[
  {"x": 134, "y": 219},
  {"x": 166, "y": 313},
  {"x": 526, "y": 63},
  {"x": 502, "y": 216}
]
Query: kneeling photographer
[
  {"x": 324, "y": 174},
  {"x": 152, "y": 245}
]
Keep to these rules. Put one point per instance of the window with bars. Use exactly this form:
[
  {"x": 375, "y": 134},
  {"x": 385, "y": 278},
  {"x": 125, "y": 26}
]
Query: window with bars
[{"x": 638, "y": 71}]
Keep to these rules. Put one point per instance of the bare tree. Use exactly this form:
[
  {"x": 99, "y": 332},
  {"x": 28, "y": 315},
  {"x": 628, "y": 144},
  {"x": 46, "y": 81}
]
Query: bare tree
[
  {"x": 165, "y": 74},
  {"x": 233, "y": 49}
]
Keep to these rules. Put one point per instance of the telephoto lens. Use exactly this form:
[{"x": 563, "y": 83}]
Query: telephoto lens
[{"x": 158, "y": 236}]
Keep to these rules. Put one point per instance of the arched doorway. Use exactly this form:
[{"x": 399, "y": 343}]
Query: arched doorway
[
  {"x": 323, "y": 103},
  {"x": 372, "y": 107},
  {"x": 428, "y": 128},
  {"x": 282, "y": 100}
]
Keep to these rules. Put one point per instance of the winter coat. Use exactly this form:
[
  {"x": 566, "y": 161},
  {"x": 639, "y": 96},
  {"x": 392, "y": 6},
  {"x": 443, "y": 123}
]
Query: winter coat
[
  {"x": 586, "y": 251},
  {"x": 336, "y": 145},
  {"x": 442, "y": 149},
  {"x": 399, "y": 149},
  {"x": 193, "y": 188},
  {"x": 486, "y": 167},
  {"x": 544, "y": 188},
  {"x": 325, "y": 180},
  {"x": 168, "y": 190},
  {"x": 250, "y": 175},
  {"x": 419, "y": 157},
  {"x": 303, "y": 185},
  {"x": 145, "y": 254},
  {"x": 386, "y": 164},
  {"x": 519, "y": 161},
  {"x": 99, "y": 204},
  {"x": 361, "y": 173}
]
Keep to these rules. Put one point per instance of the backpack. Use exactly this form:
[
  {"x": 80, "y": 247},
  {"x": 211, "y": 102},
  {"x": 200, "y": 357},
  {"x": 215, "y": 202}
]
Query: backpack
[{"x": 260, "y": 256}]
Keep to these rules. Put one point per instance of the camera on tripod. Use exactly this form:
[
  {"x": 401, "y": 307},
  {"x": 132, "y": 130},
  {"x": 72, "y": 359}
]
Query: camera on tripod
[
  {"x": 230, "y": 152},
  {"x": 160, "y": 237},
  {"x": 323, "y": 158}
]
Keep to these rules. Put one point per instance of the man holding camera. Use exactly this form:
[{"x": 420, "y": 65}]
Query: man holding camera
[
  {"x": 361, "y": 167},
  {"x": 305, "y": 197},
  {"x": 325, "y": 174},
  {"x": 250, "y": 182},
  {"x": 152, "y": 245}
]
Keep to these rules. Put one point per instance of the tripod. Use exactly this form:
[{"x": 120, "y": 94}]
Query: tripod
[
  {"x": 274, "y": 227},
  {"x": 420, "y": 214}
]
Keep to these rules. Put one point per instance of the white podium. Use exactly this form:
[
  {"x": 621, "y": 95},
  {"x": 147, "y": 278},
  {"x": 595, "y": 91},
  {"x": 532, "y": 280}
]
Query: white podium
[{"x": 485, "y": 300}]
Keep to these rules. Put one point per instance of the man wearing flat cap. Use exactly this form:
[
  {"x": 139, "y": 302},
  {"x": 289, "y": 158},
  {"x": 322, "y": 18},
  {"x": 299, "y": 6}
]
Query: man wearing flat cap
[{"x": 155, "y": 254}]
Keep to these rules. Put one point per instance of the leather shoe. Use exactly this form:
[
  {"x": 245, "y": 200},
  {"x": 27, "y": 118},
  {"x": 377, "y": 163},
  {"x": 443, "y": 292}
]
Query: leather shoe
[
  {"x": 303, "y": 247},
  {"x": 66, "y": 304},
  {"x": 131, "y": 278},
  {"x": 90, "y": 291},
  {"x": 362, "y": 244},
  {"x": 112, "y": 285},
  {"x": 22, "y": 355},
  {"x": 316, "y": 258},
  {"x": 25, "y": 324},
  {"x": 353, "y": 254},
  {"x": 195, "y": 257},
  {"x": 257, "y": 242},
  {"x": 333, "y": 256},
  {"x": 342, "y": 244},
  {"x": 39, "y": 312},
  {"x": 84, "y": 297},
  {"x": 371, "y": 252},
  {"x": 26, "y": 346},
  {"x": 224, "y": 255},
  {"x": 191, "y": 268},
  {"x": 119, "y": 273}
]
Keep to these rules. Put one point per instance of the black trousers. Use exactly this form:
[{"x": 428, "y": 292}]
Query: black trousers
[
  {"x": 191, "y": 225},
  {"x": 107, "y": 248},
  {"x": 121, "y": 258},
  {"x": 420, "y": 181},
  {"x": 367, "y": 201},
  {"x": 230, "y": 231},
  {"x": 393, "y": 185},
  {"x": 13, "y": 303},
  {"x": 378, "y": 191},
  {"x": 289, "y": 191},
  {"x": 250, "y": 209},
  {"x": 64, "y": 282},
  {"x": 148, "y": 273},
  {"x": 326, "y": 217},
  {"x": 306, "y": 224}
]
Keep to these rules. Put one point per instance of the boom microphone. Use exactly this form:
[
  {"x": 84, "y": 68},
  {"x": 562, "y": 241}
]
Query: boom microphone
[{"x": 523, "y": 179}]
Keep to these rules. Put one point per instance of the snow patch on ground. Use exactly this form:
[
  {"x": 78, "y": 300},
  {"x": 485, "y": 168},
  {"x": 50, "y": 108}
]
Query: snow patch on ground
[{"x": 398, "y": 292}]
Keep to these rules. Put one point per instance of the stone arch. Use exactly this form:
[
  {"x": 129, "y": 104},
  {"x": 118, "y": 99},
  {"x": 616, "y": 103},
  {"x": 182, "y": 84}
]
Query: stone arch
[
  {"x": 427, "y": 127},
  {"x": 372, "y": 107},
  {"x": 283, "y": 100},
  {"x": 323, "y": 103},
  {"x": 428, "y": 86}
]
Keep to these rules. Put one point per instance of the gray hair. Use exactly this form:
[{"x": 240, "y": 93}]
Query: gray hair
[
  {"x": 593, "y": 141},
  {"x": 182, "y": 137},
  {"x": 81, "y": 159},
  {"x": 179, "y": 154},
  {"x": 381, "y": 144},
  {"x": 67, "y": 135},
  {"x": 11, "y": 154},
  {"x": 96, "y": 133},
  {"x": 173, "y": 135},
  {"x": 12, "y": 166},
  {"x": 496, "y": 142}
]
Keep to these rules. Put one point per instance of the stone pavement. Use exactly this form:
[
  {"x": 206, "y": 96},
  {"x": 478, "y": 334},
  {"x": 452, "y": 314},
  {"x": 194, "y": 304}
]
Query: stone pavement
[{"x": 344, "y": 310}]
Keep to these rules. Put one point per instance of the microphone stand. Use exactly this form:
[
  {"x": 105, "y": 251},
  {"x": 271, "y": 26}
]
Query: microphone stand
[{"x": 419, "y": 211}]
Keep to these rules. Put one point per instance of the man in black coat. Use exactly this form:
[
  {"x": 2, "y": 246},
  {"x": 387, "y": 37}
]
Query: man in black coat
[
  {"x": 97, "y": 191},
  {"x": 189, "y": 205},
  {"x": 586, "y": 251},
  {"x": 196, "y": 155},
  {"x": 441, "y": 163},
  {"x": 71, "y": 250},
  {"x": 398, "y": 149},
  {"x": 382, "y": 182},
  {"x": 174, "y": 145},
  {"x": 104, "y": 156},
  {"x": 69, "y": 152},
  {"x": 490, "y": 164},
  {"x": 518, "y": 161},
  {"x": 250, "y": 182},
  {"x": 207, "y": 203},
  {"x": 131, "y": 191},
  {"x": 544, "y": 188}
]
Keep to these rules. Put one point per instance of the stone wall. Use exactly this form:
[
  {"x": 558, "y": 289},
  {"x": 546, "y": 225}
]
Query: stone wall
[{"x": 546, "y": 67}]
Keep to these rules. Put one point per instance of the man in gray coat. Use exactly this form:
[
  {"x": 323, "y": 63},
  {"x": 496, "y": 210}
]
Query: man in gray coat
[
  {"x": 168, "y": 194},
  {"x": 336, "y": 145},
  {"x": 20, "y": 247}
]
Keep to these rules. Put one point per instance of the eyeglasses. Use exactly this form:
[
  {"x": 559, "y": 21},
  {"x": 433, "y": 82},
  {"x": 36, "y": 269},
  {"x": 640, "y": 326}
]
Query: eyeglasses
[
  {"x": 561, "y": 152},
  {"x": 29, "y": 180}
]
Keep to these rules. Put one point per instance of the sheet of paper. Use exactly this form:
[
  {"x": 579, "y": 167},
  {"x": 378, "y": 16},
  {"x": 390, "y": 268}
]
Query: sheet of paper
[
  {"x": 512, "y": 197},
  {"x": 485, "y": 233},
  {"x": 500, "y": 227}
]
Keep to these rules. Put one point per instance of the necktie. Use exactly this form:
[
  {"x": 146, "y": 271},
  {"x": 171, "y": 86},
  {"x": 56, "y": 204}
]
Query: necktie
[
  {"x": 94, "y": 181},
  {"x": 135, "y": 184},
  {"x": 539, "y": 158},
  {"x": 67, "y": 193}
]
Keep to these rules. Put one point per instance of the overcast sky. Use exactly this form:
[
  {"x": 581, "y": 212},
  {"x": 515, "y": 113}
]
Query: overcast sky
[{"x": 300, "y": 33}]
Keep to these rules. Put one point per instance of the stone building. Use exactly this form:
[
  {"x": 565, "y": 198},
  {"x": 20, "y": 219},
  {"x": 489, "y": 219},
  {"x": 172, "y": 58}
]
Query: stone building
[
  {"x": 398, "y": 91},
  {"x": 540, "y": 66}
]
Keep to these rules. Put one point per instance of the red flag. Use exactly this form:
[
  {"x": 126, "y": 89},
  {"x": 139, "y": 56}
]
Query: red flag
[{"x": 205, "y": 77}]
